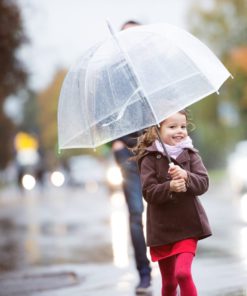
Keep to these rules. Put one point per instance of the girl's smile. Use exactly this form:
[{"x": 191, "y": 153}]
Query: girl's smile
[{"x": 174, "y": 129}]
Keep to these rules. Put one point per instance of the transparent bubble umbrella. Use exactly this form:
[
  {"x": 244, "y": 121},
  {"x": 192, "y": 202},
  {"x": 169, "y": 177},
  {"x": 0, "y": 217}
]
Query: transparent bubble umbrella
[{"x": 132, "y": 80}]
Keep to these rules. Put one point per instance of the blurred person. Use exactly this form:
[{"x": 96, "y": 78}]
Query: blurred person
[
  {"x": 20, "y": 173},
  {"x": 133, "y": 197},
  {"x": 41, "y": 169},
  {"x": 176, "y": 219}
]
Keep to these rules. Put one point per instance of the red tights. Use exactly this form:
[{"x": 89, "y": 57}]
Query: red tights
[{"x": 176, "y": 270}]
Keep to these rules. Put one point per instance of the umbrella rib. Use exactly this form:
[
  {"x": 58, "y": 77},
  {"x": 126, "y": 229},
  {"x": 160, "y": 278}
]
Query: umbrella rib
[
  {"x": 91, "y": 54},
  {"x": 176, "y": 81},
  {"x": 72, "y": 138},
  {"x": 86, "y": 97},
  {"x": 191, "y": 59},
  {"x": 196, "y": 66},
  {"x": 132, "y": 72},
  {"x": 139, "y": 84},
  {"x": 111, "y": 88},
  {"x": 122, "y": 110}
]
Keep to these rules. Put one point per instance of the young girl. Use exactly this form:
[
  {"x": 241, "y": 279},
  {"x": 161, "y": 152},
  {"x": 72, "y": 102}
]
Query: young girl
[{"x": 176, "y": 219}]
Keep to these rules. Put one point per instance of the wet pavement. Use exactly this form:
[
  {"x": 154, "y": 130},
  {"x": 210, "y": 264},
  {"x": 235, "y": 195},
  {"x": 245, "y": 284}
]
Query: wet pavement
[{"x": 76, "y": 242}]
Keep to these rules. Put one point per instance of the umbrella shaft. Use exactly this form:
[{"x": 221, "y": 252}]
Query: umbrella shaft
[{"x": 162, "y": 144}]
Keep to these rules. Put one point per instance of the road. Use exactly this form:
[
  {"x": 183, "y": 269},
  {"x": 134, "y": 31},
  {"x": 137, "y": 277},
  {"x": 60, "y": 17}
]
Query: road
[{"x": 65, "y": 241}]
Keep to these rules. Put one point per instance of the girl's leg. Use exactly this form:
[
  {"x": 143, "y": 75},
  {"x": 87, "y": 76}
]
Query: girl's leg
[
  {"x": 183, "y": 274},
  {"x": 169, "y": 282}
]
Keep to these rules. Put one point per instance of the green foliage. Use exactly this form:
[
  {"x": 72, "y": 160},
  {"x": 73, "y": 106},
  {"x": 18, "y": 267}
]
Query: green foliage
[
  {"x": 222, "y": 26},
  {"x": 30, "y": 112},
  {"x": 47, "y": 102}
]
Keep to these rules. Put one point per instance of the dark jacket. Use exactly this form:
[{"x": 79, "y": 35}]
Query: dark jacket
[
  {"x": 131, "y": 140},
  {"x": 173, "y": 216},
  {"x": 122, "y": 156}
]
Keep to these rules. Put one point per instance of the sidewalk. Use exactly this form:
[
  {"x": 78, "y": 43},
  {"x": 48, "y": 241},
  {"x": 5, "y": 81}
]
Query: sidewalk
[
  {"x": 220, "y": 267},
  {"x": 213, "y": 278}
]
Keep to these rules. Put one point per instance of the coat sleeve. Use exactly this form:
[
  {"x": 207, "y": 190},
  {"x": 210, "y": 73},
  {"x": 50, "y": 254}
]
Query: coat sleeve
[
  {"x": 153, "y": 191},
  {"x": 198, "y": 181}
]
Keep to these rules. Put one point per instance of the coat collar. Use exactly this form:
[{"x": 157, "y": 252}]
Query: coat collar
[{"x": 181, "y": 158}]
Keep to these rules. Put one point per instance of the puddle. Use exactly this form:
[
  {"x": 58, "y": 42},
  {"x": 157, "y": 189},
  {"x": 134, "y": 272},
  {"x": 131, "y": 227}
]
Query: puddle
[
  {"x": 235, "y": 292},
  {"x": 25, "y": 284},
  {"x": 49, "y": 243},
  {"x": 209, "y": 252},
  {"x": 10, "y": 247}
]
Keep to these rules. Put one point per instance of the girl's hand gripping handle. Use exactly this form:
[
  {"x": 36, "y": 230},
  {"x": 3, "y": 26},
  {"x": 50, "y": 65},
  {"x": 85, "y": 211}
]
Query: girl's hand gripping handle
[{"x": 179, "y": 178}]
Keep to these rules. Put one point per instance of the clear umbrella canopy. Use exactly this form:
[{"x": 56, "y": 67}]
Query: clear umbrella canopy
[{"x": 132, "y": 80}]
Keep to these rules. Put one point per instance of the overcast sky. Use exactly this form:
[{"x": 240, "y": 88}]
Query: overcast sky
[{"x": 61, "y": 30}]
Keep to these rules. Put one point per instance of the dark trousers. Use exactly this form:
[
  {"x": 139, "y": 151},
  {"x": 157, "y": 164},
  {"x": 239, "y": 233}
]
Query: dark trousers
[{"x": 133, "y": 196}]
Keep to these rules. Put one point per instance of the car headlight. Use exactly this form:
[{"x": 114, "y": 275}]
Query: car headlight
[
  {"x": 28, "y": 182},
  {"x": 239, "y": 169},
  {"x": 57, "y": 179},
  {"x": 114, "y": 176}
]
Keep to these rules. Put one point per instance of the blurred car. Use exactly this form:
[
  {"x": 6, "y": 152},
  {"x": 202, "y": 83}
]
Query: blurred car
[
  {"x": 114, "y": 178},
  {"x": 90, "y": 173},
  {"x": 86, "y": 171},
  {"x": 29, "y": 168},
  {"x": 237, "y": 168}
]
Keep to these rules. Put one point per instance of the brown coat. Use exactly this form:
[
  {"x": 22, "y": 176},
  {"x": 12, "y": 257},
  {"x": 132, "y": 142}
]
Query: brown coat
[{"x": 173, "y": 216}]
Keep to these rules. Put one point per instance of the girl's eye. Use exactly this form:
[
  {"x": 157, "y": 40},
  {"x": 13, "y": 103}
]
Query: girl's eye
[
  {"x": 183, "y": 126},
  {"x": 172, "y": 126}
]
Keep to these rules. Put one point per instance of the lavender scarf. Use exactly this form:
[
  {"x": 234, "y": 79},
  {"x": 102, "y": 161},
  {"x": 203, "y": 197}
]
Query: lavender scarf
[{"x": 175, "y": 150}]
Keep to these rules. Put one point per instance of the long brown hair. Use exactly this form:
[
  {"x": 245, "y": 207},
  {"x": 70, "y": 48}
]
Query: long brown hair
[{"x": 150, "y": 135}]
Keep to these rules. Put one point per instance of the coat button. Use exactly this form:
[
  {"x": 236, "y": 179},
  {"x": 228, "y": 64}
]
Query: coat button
[{"x": 158, "y": 156}]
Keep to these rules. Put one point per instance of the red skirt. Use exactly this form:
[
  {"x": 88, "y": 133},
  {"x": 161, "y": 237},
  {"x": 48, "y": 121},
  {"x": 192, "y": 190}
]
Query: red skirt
[{"x": 184, "y": 246}]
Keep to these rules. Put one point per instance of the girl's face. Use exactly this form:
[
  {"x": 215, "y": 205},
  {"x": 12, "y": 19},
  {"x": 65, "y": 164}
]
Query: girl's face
[{"x": 174, "y": 129}]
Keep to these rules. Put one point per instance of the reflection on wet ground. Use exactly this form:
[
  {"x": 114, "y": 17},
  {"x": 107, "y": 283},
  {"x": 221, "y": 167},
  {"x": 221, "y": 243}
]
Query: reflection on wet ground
[
  {"x": 10, "y": 248},
  {"x": 56, "y": 228},
  {"x": 238, "y": 292},
  {"x": 204, "y": 252},
  {"x": 119, "y": 229},
  {"x": 33, "y": 283}
]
